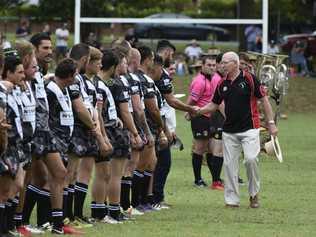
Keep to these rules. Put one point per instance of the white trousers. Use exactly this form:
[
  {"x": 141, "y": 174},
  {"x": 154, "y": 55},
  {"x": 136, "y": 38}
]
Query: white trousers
[{"x": 233, "y": 144}]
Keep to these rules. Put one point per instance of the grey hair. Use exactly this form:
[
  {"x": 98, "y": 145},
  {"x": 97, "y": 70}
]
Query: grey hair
[{"x": 233, "y": 56}]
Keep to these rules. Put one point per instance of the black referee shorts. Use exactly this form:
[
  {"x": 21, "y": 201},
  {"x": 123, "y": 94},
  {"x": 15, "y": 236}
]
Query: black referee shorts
[{"x": 206, "y": 128}]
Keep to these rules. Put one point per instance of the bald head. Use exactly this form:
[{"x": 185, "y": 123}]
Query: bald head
[
  {"x": 231, "y": 56},
  {"x": 230, "y": 64},
  {"x": 134, "y": 59}
]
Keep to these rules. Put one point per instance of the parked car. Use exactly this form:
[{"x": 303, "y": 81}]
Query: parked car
[
  {"x": 289, "y": 40},
  {"x": 179, "y": 30}
]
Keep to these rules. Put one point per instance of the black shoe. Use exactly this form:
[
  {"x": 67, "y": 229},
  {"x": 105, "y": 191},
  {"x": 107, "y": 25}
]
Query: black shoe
[{"x": 200, "y": 183}]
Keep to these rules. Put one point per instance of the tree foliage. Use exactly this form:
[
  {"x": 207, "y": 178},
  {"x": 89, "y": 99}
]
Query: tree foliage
[
  {"x": 288, "y": 11},
  {"x": 7, "y": 5}
]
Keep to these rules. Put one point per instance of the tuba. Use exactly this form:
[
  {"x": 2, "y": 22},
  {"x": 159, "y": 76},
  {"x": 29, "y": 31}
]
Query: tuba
[
  {"x": 264, "y": 70},
  {"x": 281, "y": 83}
]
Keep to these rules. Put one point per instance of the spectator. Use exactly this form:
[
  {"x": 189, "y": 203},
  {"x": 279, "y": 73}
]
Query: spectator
[
  {"x": 181, "y": 66},
  {"x": 46, "y": 29},
  {"x": 92, "y": 40},
  {"x": 62, "y": 35},
  {"x": 131, "y": 37},
  {"x": 4, "y": 43},
  {"x": 193, "y": 51},
  {"x": 273, "y": 48},
  {"x": 298, "y": 57},
  {"x": 253, "y": 38},
  {"x": 196, "y": 67},
  {"x": 212, "y": 51},
  {"x": 23, "y": 31},
  {"x": 244, "y": 63}
]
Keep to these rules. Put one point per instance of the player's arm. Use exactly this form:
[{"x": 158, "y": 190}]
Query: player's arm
[
  {"x": 103, "y": 141},
  {"x": 79, "y": 107},
  {"x": 139, "y": 114},
  {"x": 178, "y": 104},
  {"x": 209, "y": 108},
  {"x": 152, "y": 107},
  {"x": 99, "y": 108},
  {"x": 3, "y": 131},
  {"x": 83, "y": 113},
  {"x": 128, "y": 122}
]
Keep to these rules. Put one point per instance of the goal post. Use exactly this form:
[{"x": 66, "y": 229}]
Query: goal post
[{"x": 263, "y": 21}]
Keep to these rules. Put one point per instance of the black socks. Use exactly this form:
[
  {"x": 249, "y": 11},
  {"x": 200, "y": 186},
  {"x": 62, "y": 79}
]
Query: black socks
[
  {"x": 81, "y": 190},
  {"x": 214, "y": 164},
  {"x": 126, "y": 184},
  {"x": 197, "y": 164}
]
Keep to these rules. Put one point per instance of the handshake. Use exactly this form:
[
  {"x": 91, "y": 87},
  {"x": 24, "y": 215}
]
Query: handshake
[{"x": 193, "y": 112}]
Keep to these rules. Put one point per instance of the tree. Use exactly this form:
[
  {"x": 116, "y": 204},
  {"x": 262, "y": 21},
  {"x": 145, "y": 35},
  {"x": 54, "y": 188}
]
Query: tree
[{"x": 7, "y": 5}]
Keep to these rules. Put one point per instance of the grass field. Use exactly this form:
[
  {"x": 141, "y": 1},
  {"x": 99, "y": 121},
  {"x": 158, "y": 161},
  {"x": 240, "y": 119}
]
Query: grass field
[{"x": 287, "y": 196}]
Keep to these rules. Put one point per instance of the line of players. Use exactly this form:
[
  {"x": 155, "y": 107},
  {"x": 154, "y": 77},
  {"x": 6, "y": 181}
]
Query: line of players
[{"x": 99, "y": 109}]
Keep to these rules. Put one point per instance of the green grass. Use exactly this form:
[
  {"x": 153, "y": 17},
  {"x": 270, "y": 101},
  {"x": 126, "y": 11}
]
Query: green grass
[{"x": 287, "y": 195}]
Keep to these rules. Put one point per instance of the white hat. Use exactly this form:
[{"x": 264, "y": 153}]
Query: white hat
[{"x": 273, "y": 148}]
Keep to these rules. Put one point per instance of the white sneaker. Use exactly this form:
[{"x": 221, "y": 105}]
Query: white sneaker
[
  {"x": 110, "y": 220},
  {"x": 164, "y": 206},
  {"x": 135, "y": 212},
  {"x": 34, "y": 230}
]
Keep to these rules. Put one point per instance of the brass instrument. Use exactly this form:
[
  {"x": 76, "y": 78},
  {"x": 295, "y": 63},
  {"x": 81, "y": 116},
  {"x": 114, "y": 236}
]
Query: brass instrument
[
  {"x": 260, "y": 60},
  {"x": 267, "y": 75},
  {"x": 272, "y": 73},
  {"x": 281, "y": 79}
]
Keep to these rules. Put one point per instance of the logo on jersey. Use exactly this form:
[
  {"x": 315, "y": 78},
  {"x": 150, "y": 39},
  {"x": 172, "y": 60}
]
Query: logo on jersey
[
  {"x": 242, "y": 85},
  {"x": 109, "y": 82},
  {"x": 126, "y": 95},
  {"x": 74, "y": 87},
  {"x": 166, "y": 82},
  {"x": 225, "y": 88}
]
